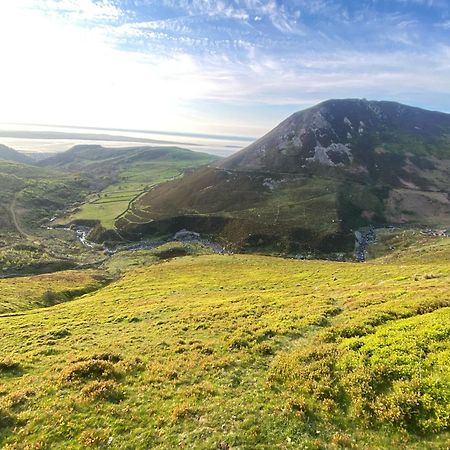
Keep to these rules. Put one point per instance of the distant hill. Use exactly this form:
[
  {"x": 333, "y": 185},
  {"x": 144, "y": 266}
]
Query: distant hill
[
  {"x": 314, "y": 179},
  {"x": 9, "y": 154},
  {"x": 370, "y": 136},
  {"x": 98, "y": 158}
]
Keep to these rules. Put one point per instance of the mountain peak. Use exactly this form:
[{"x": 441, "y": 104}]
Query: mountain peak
[{"x": 341, "y": 132}]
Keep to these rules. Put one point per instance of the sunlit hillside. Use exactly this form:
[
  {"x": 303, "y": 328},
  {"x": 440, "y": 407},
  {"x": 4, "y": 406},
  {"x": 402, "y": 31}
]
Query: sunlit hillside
[{"x": 237, "y": 352}]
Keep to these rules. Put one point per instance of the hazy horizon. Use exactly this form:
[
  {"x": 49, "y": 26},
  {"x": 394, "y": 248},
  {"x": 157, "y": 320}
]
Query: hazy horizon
[
  {"x": 38, "y": 138},
  {"x": 53, "y": 138}
]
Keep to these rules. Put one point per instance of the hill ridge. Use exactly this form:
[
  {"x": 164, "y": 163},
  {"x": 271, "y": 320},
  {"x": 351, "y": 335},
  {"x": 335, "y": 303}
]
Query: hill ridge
[{"x": 9, "y": 154}]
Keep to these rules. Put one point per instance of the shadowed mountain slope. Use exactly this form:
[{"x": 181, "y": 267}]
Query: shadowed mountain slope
[{"x": 314, "y": 179}]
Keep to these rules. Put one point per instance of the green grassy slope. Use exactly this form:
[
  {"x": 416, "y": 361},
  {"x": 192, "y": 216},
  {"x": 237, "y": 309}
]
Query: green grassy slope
[
  {"x": 33, "y": 193},
  {"x": 274, "y": 211},
  {"x": 241, "y": 352},
  {"x": 29, "y": 197},
  {"x": 409, "y": 245},
  {"x": 23, "y": 293},
  {"x": 124, "y": 261},
  {"x": 126, "y": 172}
]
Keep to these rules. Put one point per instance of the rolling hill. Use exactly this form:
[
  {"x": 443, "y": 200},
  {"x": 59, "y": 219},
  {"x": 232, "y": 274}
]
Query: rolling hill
[
  {"x": 30, "y": 194},
  {"x": 87, "y": 183},
  {"x": 9, "y": 154},
  {"x": 99, "y": 159},
  {"x": 29, "y": 197},
  {"x": 312, "y": 181}
]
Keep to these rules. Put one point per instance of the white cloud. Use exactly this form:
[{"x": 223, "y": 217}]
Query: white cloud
[
  {"x": 61, "y": 73},
  {"x": 75, "y": 9},
  {"x": 56, "y": 69},
  {"x": 243, "y": 10},
  {"x": 281, "y": 19},
  {"x": 445, "y": 25},
  {"x": 208, "y": 7}
]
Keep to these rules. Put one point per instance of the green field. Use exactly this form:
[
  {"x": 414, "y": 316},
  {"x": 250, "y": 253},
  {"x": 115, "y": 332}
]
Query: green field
[
  {"x": 114, "y": 200},
  {"x": 126, "y": 173},
  {"x": 238, "y": 352}
]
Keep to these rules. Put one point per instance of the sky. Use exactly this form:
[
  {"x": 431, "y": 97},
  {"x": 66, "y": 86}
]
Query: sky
[{"x": 214, "y": 66}]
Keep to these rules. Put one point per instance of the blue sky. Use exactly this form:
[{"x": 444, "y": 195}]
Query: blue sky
[{"x": 215, "y": 66}]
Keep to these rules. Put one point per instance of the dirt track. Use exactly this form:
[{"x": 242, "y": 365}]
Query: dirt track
[{"x": 12, "y": 211}]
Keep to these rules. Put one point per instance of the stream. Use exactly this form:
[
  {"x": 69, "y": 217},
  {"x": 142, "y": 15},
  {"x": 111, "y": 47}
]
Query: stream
[{"x": 82, "y": 233}]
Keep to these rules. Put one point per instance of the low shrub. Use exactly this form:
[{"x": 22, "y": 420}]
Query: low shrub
[
  {"x": 103, "y": 390},
  {"x": 263, "y": 349},
  {"x": 201, "y": 390},
  {"x": 50, "y": 298},
  {"x": 17, "y": 399},
  {"x": 395, "y": 376},
  {"x": 8, "y": 365},
  {"x": 107, "y": 356},
  {"x": 237, "y": 343},
  {"x": 297, "y": 405},
  {"x": 94, "y": 438},
  {"x": 6, "y": 419},
  {"x": 93, "y": 369},
  {"x": 342, "y": 440},
  {"x": 183, "y": 411},
  {"x": 59, "y": 333}
]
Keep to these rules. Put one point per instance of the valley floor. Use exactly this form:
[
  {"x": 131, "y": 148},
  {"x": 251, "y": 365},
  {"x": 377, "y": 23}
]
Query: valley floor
[{"x": 237, "y": 352}]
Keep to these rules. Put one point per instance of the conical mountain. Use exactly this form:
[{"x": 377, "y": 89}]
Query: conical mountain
[
  {"x": 346, "y": 133},
  {"x": 313, "y": 180}
]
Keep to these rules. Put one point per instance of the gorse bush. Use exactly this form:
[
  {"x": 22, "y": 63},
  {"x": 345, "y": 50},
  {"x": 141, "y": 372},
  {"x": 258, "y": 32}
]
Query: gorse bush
[
  {"x": 17, "y": 399},
  {"x": 6, "y": 419},
  {"x": 9, "y": 365}
]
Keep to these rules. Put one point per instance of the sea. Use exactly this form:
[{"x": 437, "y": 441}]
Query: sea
[{"x": 42, "y": 140}]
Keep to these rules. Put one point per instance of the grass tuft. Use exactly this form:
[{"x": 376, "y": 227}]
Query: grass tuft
[
  {"x": 103, "y": 390},
  {"x": 93, "y": 369}
]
